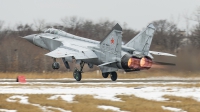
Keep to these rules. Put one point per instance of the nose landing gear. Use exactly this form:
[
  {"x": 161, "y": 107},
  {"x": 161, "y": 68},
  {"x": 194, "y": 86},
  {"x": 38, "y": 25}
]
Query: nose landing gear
[{"x": 77, "y": 73}]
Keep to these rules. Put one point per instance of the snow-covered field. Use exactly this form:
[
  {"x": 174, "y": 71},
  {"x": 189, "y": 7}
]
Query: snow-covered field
[
  {"x": 150, "y": 93},
  {"x": 106, "y": 91}
]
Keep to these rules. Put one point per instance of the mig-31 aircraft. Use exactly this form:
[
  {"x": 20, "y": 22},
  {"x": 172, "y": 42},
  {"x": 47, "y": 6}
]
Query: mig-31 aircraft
[{"x": 109, "y": 54}]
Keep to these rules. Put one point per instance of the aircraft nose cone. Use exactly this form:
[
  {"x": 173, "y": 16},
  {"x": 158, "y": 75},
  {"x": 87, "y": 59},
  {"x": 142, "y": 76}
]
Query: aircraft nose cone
[{"x": 29, "y": 38}]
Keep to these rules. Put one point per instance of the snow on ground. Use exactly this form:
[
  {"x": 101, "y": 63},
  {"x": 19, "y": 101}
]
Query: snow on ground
[
  {"x": 115, "y": 109},
  {"x": 150, "y": 93},
  {"x": 168, "y": 78},
  {"x": 67, "y": 92},
  {"x": 107, "y": 96},
  {"x": 68, "y": 98},
  {"x": 24, "y": 100},
  {"x": 6, "y": 110},
  {"x": 173, "y": 109}
]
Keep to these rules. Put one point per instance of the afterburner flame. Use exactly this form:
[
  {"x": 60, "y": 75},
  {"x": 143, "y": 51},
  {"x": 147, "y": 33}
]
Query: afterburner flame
[
  {"x": 135, "y": 63},
  {"x": 145, "y": 63}
]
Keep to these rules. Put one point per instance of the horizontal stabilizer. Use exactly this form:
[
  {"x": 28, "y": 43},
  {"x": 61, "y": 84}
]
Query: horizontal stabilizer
[
  {"x": 161, "y": 53},
  {"x": 164, "y": 63}
]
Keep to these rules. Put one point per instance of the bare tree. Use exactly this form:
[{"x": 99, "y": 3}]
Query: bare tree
[
  {"x": 19, "y": 55},
  {"x": 167, "y": 35},
  {"x": 40, "y": 24},
  {"x": 102, "y": 28},
  {"x": 24, "y": 29},
  {"x": 72, "y": 23},
  {"x": 1, "y": 24},
  {"x": 196, "y": 15},
  {"x": 195, "y": 32}
]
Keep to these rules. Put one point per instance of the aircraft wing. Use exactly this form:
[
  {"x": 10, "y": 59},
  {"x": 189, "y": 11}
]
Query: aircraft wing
[
  {"x": 161, "y": 53},
  {"x": 60, "y": 53},
  {"x": 63, "y": 51},
  {"x": 66, "y": 49}
]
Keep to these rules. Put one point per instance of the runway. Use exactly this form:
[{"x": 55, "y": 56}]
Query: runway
[{"x": 108, "y": 80}]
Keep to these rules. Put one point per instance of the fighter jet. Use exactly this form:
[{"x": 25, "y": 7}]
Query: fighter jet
[{"x": 109, "y": 54}]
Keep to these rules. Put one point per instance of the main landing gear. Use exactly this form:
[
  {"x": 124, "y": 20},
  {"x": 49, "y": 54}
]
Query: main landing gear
[
  {"x": 113, "y": 75},
  {"x": 77, "y": 73},
  {"x": 55, "y": 64}
]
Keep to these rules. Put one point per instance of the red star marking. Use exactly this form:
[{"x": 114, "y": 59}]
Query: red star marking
[{"x": 112, "y": 41}]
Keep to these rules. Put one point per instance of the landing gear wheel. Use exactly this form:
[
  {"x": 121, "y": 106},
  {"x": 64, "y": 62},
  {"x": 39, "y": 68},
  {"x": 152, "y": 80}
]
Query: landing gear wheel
[
  {"x": 77, "y": 75},
  {"x": 105, "y": 75},
  {"x": 55, "y": 65},
  {"x": 75, "y": 71},
  {"x": 113, "y": 76}
]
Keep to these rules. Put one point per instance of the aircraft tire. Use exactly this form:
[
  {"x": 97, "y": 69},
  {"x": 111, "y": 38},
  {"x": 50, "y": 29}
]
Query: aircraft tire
[
  {"x": 105, "y": 75},
  {"x": 77, "y": 75},
  {"x": 113, "y": 76},
  {"x": 74, "y": 74},
  {"x": 55, "y": 65}
]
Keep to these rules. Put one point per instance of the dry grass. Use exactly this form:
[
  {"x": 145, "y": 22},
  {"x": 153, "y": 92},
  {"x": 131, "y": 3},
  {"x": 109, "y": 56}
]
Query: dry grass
[
  {"x": 80, "y": 106},
  {"x": 121, "y": 75},
  {"x": 187, "y": 104},
  {"x": 54, "y": 75},
  {"x": 135, "y": 104},
  {"x": 104, "y": 85},
  {"x": 16, "y": 105},
  {"x": 87, "y": 103},
  {"x": 53, "y": 110}
]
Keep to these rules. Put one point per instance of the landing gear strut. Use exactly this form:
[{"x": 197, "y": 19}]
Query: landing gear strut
[
  {"x": 77, "y": 73},
  {"x": 113, "y": 75},
  {"x": 55, "y": 64}
]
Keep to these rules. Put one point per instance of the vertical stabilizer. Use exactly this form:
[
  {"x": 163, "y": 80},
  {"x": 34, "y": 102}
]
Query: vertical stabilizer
[
  {"x": 111, "y": 45},
  {"x": 142, "y": 41}
]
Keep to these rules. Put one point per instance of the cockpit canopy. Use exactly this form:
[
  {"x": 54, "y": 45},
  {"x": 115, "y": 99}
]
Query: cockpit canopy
[{"x": 55, "y": 31}]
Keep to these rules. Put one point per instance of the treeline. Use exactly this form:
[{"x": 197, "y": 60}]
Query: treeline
[{"x": 18, "y": 55}]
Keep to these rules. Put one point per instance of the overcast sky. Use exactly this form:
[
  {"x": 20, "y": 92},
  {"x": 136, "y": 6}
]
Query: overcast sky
[{"x": 137, "y": 14}]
